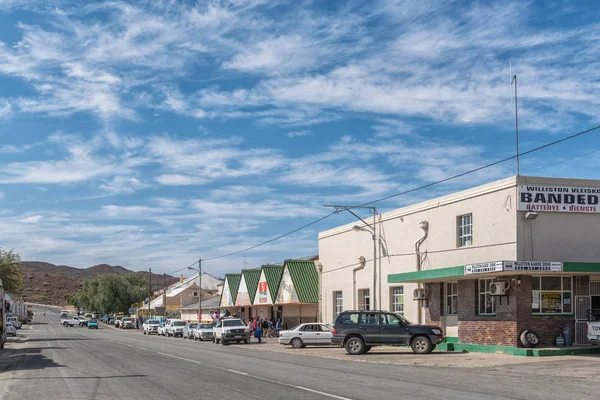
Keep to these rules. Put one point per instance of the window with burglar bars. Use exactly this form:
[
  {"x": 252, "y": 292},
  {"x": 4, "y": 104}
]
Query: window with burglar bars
[
  {"x": 465, "y": 230},
  {"x": 487, "y": 305},
  {"x": 451, "y": 298},
  {"x": 338, "y": 301},
  {"x": 397, "y": 299},
  {"x": 364, "y": 299},
  {"x": 552, "y": 294}
]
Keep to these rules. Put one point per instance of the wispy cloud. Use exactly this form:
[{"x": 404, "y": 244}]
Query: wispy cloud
[{"x": 294, "y": 134}]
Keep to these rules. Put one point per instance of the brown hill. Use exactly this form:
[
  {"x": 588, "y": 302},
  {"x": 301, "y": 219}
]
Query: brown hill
[{"x": 47, "y": 283}]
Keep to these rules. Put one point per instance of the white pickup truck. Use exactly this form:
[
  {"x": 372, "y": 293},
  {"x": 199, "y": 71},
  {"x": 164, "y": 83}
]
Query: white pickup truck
[
  {"x": 75, "y": 320},
  {"x": 593, "y": 331},
  {"x": 151, "y": 326},
  {"x": 230, "y": 330}
]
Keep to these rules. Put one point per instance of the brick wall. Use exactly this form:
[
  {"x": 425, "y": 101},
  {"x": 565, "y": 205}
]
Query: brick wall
[{"x": 432, "y": 308}]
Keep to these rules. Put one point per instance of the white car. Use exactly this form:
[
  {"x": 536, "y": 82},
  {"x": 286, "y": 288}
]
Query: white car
[
  {"x": 161, "y": 330},
  {"x": 203, "y": 331},
  {"x": 11, "y": 329},
  {"x": 306, "y": 334},
  {"x": 230, "y": 330},
  {"x": 174, "y": 327},
  {"x": 151, "y": 326},
  {"x": 15, "y": 321}
]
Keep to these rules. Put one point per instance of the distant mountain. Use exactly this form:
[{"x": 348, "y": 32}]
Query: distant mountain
[{"x": 47, "y": 283}]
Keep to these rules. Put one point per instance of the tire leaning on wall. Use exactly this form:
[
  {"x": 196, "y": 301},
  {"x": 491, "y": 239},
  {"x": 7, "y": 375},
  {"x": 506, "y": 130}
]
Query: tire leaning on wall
[{"x": 529, "y": 339}]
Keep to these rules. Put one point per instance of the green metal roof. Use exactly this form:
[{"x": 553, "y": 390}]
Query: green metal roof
[
  {"x": 251, "y": 276},
  {"x": 233, "y": 280},
  {"x": 305, "y": 278},
  {"x": 273, "y": 274}
]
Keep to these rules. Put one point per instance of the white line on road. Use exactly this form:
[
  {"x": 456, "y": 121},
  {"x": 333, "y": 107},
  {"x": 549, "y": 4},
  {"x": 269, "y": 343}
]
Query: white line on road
[
  {"x": 141, "y": 348},
  {"x": 333, "y": 396}
]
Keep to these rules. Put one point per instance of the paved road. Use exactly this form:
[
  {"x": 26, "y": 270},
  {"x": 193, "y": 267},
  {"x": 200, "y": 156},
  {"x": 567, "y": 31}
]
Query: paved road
[{"x": 49, "y": 361}]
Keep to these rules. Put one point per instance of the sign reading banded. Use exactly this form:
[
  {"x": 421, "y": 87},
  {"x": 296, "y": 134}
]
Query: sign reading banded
[{"x": 559, "y": 199}]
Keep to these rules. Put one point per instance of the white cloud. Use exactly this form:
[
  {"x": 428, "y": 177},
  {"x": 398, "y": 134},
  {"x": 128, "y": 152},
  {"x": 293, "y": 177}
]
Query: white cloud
[
  {"x": 294, "y": 134},
  {"x": 33, "y": 219},
  {"x": 123, "y": 185},
  {"x": 5, "y": 108},
  {"x": 1, "y": 195},
  {"x": 180, "y": 180}
]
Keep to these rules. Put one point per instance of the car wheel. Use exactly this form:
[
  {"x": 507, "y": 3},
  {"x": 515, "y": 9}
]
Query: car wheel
[
  {"x": 217, "y": 341},
  {"x": 355, "y": 346},
  {"x": 247, "y": 341},
  {"x": 421, "y": 345},
  {"x": 195, "y": 338},
  {"x": 224, "y": 342},
  {"x": 297, "y": 343},
  {"x": 529, "y": 339},
  {"x": 144, "y": 332},
  {"x": 65, "y": 324}
]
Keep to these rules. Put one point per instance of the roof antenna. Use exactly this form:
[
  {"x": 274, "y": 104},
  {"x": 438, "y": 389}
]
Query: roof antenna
[{"x": 514, "y": 80}]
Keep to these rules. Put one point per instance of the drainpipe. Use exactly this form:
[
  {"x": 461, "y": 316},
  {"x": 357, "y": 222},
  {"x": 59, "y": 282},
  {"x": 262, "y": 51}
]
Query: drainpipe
[
  {"x": 320, "y": 305},
  {"x": 361, "y": 265},
  {"x": 425, "y": 227}
]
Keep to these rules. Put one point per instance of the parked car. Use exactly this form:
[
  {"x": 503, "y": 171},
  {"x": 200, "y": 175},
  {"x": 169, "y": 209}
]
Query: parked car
[
  {"x": 161, "y": 330},
  {"x": 64, "y": 312},
  {"x": 95, "y": 315},
  {"x": 203, "y": 331},
  {"x": 306, "y": 334},
  {"x": 359, "y": 331},
  {"x": 92, "y": 324},
  {"x": 11, "y": 329},
  {"x": 150, "y": 326},
  {"x": 127, "y": 323},
  {"x": 118, "y": 319},
  {"x": 188, "y": 330},
  {"x": 231, "y": 330},
  {"x": 64, "y": 316},
  {"x": 15, "y": 321},
  {"x": 174, "y": 327}
]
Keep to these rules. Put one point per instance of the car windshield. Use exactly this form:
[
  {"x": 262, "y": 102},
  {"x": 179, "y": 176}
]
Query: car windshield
[
  {"x": 178, "y": 323},
  {"x": 295, "y": 328},
  {"x": 127, "y": 319},
  {"x": 205, "y": 326},
  {"x": 236, "y": 322},
  {"x": 191, "y": 326},
  {"x": 153, "y": 322}
]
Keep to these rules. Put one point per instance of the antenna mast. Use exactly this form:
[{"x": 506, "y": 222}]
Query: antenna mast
[{"x": 514, "y": 80}]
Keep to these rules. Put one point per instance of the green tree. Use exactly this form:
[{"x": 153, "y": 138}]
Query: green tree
[
  {"x": 11, "y": 271},
  {"x": 112, "y": 293}
]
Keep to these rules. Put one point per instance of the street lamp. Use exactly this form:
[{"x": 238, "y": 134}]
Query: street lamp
[
  {"x": 368, "y": 228},
  {"x": 199, "y": 269}
]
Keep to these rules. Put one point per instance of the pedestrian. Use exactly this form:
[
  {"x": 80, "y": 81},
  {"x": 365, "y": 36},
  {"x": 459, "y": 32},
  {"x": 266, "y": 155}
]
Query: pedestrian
[
  {"x": 285, "y": 326},
  {"x": 250, "y": 327},
  {"x": 279, "y": 324},
  {"x": 270, "y": 327},
  {"x": 257, "y": 334},
  {"x": 254, "y": 324},
  {"x": 265, "y": 326}
]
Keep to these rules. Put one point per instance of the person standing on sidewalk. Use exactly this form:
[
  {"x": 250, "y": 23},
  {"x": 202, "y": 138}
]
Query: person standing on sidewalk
[
  {"x": 250, "y": 327},
  {"x": 257, "y": 334}
]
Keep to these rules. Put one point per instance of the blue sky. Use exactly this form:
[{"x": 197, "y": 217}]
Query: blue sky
[{"x": 148, "y": 134}]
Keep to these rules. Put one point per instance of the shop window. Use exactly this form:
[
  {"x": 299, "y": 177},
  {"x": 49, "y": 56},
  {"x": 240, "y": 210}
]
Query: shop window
[
  {"x": 338, "y": 301},
  {"x": 364, "y": 299},
  {"x": 465, "y": 230},
  {"x": 397, "y": 299},
  {"x": 487, "y": 305},
  {"x": 451, "y": 298},
  {"x": 552, "y": 294}
]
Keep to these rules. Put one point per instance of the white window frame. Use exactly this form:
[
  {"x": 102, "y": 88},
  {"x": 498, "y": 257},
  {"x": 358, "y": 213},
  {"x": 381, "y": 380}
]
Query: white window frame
[
  {"x": 338, "y": 306},
  {"x": 364, "y": 299},
  {"x": 464, "y": 230},
  {"x": 397, "y": 299},
  {"x": 451, "y": 293},
  {"x": 486, "y": 295},
  {"x": 537, "y": 295}
]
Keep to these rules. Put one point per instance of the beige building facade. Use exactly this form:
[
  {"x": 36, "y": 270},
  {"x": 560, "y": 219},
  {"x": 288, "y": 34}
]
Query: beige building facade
[{"x": 432, "y": 246}]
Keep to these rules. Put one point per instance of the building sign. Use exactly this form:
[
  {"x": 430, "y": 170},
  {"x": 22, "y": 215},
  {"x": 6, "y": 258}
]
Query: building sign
[
  {"x": 287, "y": 293},
  {"x": 512, "y": 266},
  {"x": 243, "y": 298},
  {"x": 559, "y": 199},
  {"x": 226, "y": 299},
  {"x": 533, "y": 266},
  {"x": 483, "y": 268},
  {"x": 262, "y": 292}
]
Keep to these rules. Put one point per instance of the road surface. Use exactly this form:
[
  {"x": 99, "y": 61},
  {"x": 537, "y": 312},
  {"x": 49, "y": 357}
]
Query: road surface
[{"x": 49, "y": 361}]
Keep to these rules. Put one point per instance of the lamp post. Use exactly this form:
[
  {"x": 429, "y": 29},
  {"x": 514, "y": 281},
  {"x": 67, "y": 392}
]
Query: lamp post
[
  {"x": 369, "y": 228},
  {"x": 199, "y": 269}
]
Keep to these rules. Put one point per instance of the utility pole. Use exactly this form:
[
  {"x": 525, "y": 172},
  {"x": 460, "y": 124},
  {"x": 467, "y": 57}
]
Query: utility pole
[
  {"x": 165, "y": 294},
  {"x": 149, "y": 289},
  {"x": 199, "y": 269},
  {"x": 514, "y": 80}
]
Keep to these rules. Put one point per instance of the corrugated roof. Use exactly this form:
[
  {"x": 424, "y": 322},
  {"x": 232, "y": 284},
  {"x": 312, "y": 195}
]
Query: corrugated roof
[
  {"x": 233, "y": 281},
  {"x": 213, "y": 302},
  {"x": 251, "y": 276},
  {"x": 273, "y": 274},
  {"x": 305, "y": 278}
]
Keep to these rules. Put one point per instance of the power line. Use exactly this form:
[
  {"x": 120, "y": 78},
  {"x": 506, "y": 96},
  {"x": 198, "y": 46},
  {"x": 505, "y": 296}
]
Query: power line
[
  {"x": 407, "y": 191},
  {"x": 564, "y": 161},
  {"x": 179, "y": 270}
]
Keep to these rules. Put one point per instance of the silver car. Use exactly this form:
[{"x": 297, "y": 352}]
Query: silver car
[
  {"x": 188, "y": 330},
  {"x": 203, "y": 332},
  {"x": 306, "y": 334}
]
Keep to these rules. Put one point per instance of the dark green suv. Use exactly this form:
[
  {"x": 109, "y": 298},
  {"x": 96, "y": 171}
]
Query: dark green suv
[{"x": 359, "y": 331}]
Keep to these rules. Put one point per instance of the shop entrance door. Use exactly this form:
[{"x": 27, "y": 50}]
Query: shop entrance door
[{"x": 450, "y": 319}]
